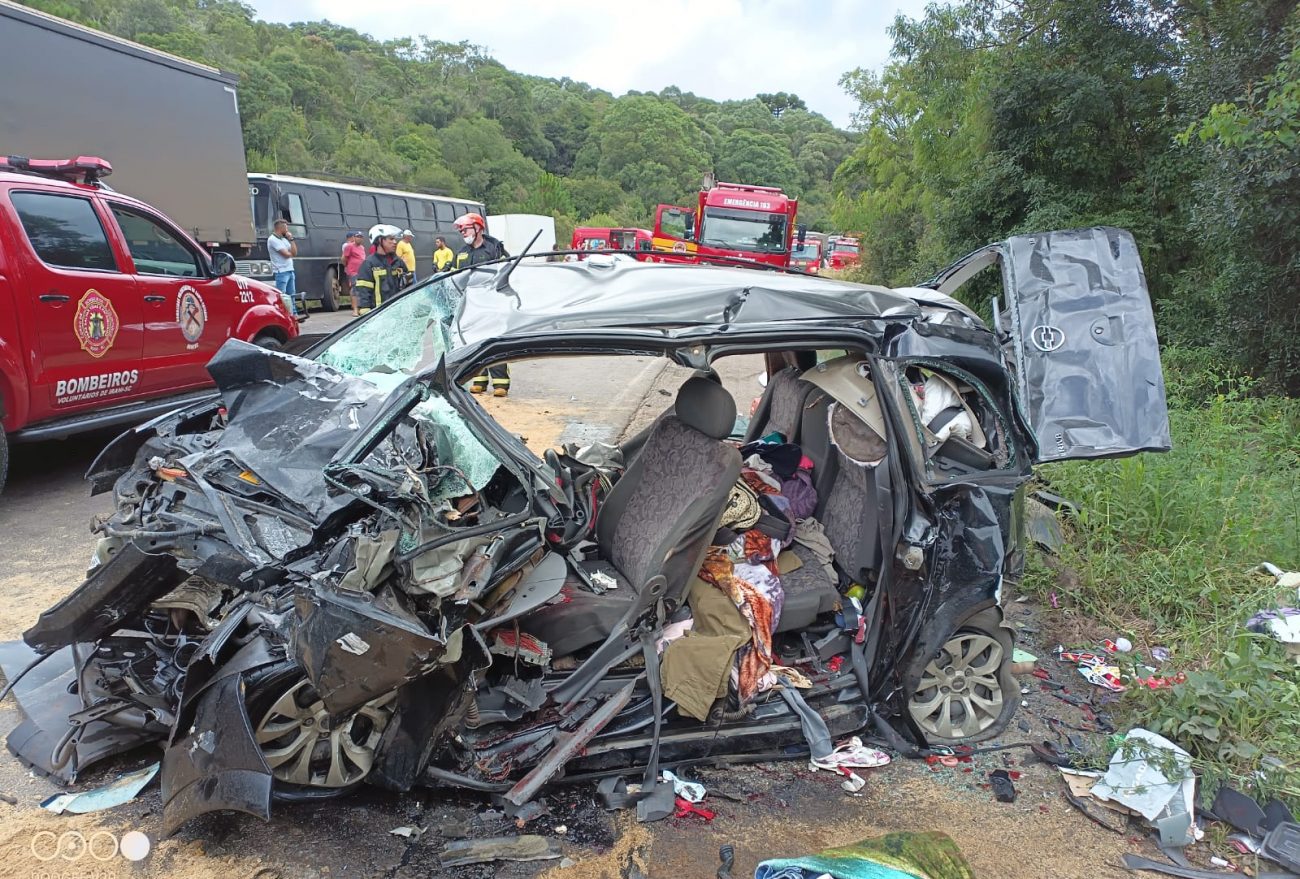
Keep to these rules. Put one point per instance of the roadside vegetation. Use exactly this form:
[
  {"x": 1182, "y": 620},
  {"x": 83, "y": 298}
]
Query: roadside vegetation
[{"x": 1164, "y": 550}]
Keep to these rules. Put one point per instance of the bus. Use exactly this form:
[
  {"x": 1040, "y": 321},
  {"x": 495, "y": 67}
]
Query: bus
[{"x": 320, "y": 215}]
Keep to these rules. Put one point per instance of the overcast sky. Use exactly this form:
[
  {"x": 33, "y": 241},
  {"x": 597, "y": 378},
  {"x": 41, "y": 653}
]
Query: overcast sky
[{"x": 719, "y": 49}]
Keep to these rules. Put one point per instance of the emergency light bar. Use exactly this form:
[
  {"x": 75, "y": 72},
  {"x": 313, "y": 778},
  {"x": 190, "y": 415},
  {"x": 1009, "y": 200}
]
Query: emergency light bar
[{"x": 90, "y": 169}]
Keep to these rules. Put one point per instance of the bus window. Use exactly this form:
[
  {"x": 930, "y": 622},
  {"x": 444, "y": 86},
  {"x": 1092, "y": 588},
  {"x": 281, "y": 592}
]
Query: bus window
[
  {"x": 324, "y": 207},
  {"x": 359, "y": 209},
  {"x": 392, "y": 210},
  {"x": 446, "y": 214},
  {"x": 297, "y": 220}
]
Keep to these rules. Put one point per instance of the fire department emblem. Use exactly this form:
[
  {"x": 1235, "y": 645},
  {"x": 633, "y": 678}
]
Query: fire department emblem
[
  {"x": 191, "y": 313},
  {"x": 96, "y": 323}
]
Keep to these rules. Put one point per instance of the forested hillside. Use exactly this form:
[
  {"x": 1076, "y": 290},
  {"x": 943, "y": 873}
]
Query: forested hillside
[
  {"x": 419, "y": 112},
  {"x": 1177, "y": 119}
]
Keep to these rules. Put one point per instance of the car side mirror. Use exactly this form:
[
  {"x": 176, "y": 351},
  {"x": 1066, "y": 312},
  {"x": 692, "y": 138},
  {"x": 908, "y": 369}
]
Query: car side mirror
[
  {"x": 803, "y": 233},
  {"x": 223, "y": 264},
  {"x": 690, "y": 227}
]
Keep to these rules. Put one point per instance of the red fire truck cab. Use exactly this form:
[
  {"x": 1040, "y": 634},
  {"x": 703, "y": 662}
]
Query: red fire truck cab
[
  {"x": 842, "y": 252},
  {"x": 596, "y": 238},
  {"x": 807, "y": 257},
  {"x": 731, "y": 222}
]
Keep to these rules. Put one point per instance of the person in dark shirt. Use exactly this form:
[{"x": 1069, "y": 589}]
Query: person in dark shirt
[
  {"x": 383, "y": 274},
  {"x": 480, "y": 247}
]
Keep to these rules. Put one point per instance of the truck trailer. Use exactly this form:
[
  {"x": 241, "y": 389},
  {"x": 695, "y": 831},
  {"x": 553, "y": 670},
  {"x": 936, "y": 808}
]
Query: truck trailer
[{"x": 170, "y": 127}]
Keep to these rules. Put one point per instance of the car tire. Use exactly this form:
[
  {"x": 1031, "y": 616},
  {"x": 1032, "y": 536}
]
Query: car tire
[
  {"x": 308, "y": 762},
  {"x": 332, "y": 293},
  {"x": 967, "y": 692},
  {"x": 269, "y": 341},
  {"x": 4, "y": 459}
]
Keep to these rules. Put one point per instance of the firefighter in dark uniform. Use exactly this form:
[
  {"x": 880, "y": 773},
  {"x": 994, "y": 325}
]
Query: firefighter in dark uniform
[
  {"x": 383, "y": 274},
  {"x": 481, "y": 247}
]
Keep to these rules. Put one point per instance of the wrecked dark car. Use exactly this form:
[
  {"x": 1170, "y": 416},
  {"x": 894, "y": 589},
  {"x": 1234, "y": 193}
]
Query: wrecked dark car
[{"x": 340, "y": 570}]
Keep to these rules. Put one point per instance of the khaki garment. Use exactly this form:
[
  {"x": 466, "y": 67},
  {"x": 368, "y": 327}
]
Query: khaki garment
[{"x": 696, "y": 668}]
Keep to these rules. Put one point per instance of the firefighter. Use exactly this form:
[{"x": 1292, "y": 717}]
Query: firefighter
[
  {"x": 481, "y": 247},
  {"x": 383, "y": 274}
]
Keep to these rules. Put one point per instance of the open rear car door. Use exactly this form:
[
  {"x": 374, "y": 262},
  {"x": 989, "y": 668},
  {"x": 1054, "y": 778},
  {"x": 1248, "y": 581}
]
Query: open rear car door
[{"x": 1082, "y": 340}]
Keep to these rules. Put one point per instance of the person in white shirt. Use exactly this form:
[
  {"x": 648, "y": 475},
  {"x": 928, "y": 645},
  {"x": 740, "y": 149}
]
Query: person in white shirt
[{"x": 282, "y": 249}]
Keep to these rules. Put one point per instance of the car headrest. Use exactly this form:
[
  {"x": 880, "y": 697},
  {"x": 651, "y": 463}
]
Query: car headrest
[{"x": 706, "y": 406}]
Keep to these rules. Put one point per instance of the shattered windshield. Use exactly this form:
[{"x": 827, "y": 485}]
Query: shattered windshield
[
  {"x": 407, "y": 336},
  {"x": 743, "y": 230}
]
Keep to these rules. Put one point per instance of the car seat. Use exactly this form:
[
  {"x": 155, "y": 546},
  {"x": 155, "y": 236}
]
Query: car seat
[{"x": 657, "y": 521}]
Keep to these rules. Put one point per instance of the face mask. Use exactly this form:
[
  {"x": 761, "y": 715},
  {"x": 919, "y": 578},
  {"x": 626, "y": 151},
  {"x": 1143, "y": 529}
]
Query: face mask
[{"x": 469, "y": 236}]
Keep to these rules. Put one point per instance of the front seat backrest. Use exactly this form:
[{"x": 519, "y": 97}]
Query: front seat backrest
[
  {"x": 781, "y": 408},
  {"x": 663, "y": 512}
]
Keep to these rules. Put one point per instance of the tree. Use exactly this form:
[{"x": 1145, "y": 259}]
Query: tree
[
  {"x": 651, "y": 148},
  {"x": 754, "y": 157},
  {"x": 780, "y": 102}
]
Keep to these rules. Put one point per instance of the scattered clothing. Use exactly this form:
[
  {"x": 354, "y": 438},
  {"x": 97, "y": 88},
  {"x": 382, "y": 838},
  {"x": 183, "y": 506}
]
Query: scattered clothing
[
  {"x": 758, "y": 604},
  {"x": 696, "y": 668},
  {"x": 800, "y": 493},
  {"x": 761, "y": 482},
  {"x": 783, "y": 458},
  {"x": 812, "y": 534}
]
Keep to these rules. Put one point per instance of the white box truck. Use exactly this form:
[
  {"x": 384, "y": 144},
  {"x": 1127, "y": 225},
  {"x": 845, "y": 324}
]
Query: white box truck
[{"x": 516, "y": 230}]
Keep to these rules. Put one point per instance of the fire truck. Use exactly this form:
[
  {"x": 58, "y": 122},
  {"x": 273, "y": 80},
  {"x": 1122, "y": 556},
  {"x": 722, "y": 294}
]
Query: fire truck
[
  {"x": 842, "y": 252},
  {"x": 587, "y": 239},
  {"x": 731, "y": 221},
  {"x": 807, "y": 257}
]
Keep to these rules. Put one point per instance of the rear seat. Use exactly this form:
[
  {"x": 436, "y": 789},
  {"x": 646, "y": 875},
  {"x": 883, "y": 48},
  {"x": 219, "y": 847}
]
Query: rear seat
[
  {"x": 781, "y": 407},
  {"x": 849, "y": 498}
]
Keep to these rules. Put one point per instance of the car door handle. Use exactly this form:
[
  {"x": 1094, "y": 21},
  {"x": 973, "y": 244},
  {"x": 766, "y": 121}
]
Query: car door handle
[
  {"x": 155, "y": 299},
  {"x": 54, "y": 297}
]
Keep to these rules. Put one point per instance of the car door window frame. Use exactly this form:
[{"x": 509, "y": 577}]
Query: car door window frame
[
  {"x": 200, "y": 264},
  {"x": 900, "y": 395},
  {"x": 115, "y": 267}
]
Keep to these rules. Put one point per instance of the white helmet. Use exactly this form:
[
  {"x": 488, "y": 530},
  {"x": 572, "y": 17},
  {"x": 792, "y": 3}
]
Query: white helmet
[
  {"x": 407, "y": 233},
  {"x": 383, "y": 230}
]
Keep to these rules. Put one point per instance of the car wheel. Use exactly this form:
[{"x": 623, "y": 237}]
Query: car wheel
[
  {"x": 309, "y": 757},
  {"x": 330, "y": 296},
  {"x": 4, "y": 459},
  {"x": 269, "y": 341},
  {"x": 967, "y": 693}
]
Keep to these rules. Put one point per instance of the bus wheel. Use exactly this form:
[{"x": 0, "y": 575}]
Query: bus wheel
[{"x": 330, "y": 296}]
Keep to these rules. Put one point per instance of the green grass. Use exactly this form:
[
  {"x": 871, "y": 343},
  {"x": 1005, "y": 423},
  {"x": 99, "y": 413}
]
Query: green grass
[{"x": 1165, "y": 548}]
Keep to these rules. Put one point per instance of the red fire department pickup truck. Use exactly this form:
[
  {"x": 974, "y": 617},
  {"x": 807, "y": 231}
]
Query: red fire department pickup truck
[{"x": 108, "y": 311}]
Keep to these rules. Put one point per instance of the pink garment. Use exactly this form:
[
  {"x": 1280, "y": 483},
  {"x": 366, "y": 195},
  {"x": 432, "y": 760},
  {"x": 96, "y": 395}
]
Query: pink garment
[{"x": 353, "y": 256}]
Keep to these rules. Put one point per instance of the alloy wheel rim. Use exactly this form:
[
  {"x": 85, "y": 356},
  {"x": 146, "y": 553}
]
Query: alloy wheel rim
[
  {"x": 302, "y": 747},
  {"x": 959, "y": 694}
]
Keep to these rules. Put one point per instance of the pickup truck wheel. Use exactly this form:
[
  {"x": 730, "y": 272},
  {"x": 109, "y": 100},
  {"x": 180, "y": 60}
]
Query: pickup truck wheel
[
  {"x": 330, "y": 296},
  {"x": 269, "y": 341},
  {"x": 967, "y": 692},
  {"x": 4, "y": 459}
]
